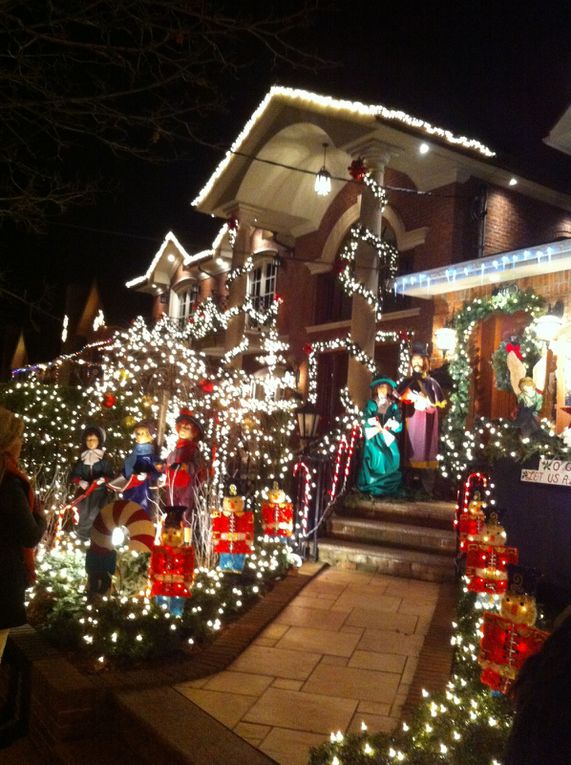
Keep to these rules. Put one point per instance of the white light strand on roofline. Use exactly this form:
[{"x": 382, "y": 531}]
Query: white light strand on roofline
[
  {"x": 170, "y": 237},
  {"x": 487, "y": 269},
  {"x": 342, "y": 105},
  {"x": 188, "y": 259}
]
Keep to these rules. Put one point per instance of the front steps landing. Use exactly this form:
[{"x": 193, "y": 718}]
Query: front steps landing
[{"x": 407, "y": 539}]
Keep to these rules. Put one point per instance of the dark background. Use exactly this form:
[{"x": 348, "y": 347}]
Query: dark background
[{"x": 496, "y": 71}]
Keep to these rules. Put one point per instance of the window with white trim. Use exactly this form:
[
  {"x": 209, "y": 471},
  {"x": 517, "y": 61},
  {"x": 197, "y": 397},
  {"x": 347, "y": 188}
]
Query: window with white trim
[
  {"x": 185, "y": 302},
  {"x": 262, "y": 284}
]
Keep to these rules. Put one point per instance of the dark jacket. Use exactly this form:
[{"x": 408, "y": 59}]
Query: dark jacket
[
  {"x": 103, "y": 468},
  {"x": 19, "y": 527}
]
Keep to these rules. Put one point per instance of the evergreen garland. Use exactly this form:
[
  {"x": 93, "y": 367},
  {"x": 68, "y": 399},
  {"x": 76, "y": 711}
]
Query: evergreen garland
[
  {"x": 125, "y": 628},
  {"x": 458, "y": 447}
]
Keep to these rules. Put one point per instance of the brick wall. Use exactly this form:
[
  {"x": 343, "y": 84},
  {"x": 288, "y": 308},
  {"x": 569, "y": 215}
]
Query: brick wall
[{"x": 515, "y": 221}]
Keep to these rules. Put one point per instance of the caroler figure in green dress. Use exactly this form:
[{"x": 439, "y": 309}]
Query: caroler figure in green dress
[{"x": 379, "y": 473}]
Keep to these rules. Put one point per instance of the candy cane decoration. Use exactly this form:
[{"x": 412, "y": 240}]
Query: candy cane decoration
[
  {"x": 306, "y": 500},
  {"x": 123, "y": 513},
  {"x": 345, "y": 448}
]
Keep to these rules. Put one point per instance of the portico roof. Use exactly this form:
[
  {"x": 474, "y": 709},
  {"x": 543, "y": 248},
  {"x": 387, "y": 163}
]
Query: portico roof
[{"x": 269, "y": 170}]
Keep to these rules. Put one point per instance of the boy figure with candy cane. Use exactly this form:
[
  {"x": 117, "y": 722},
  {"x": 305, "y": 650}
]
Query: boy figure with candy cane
[
  {"x": 183, "y": 465},
  {"x": 140, "y": 467}
]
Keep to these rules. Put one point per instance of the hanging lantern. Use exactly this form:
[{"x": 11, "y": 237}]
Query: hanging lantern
[{"x": 322, "y": 184}]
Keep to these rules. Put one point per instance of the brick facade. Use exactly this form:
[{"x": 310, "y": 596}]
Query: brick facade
[{"x": 456, "y": 231}]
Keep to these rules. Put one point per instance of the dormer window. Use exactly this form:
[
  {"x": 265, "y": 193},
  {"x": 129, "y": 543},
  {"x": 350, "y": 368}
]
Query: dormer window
[{"x": 185, "y": 301}]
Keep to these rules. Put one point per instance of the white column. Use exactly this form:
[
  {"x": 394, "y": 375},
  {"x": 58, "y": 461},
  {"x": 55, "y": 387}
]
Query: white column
[
  {"x": 363, "y": 319},
  {"x": 237, "y": 289}
]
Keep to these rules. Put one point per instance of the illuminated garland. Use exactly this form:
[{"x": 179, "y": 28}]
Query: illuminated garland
[
  {"x": 379, "y": 192},
  {"x": 58, "y": 362},
  {"x": 311, "y": 100},
  {"x": 346, "y": 343},
  {"x": 130, "y": 626},
  {"x": 207, "y": 319},
  {"x": 240, "y": 270},
  {"x": 388, "y": 258},
  {"x": 458, "y": 446}
]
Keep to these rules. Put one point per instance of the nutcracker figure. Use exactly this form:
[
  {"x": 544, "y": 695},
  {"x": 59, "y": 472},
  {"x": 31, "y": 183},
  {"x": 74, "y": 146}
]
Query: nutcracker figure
[
  {"x": 510, "y": 637},
  {"x": 233, "y": 532},
  {"x": 472, "y": 523},
  {"x": 171, "y": 571},
  {"x": 277, "y": 514},
  {"x": 487, "y": 567}
]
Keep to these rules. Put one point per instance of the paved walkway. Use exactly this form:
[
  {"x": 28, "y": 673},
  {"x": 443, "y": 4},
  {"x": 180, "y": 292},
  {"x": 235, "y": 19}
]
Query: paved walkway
[{"x": 344, "y": 651}]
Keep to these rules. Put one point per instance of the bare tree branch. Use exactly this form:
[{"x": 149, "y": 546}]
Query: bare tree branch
[{"x": 138, "y": 77}]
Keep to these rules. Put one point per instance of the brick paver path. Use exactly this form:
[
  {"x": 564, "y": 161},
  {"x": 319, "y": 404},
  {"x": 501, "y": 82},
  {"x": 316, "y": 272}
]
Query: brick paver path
[{"x": 344, "y": 651}]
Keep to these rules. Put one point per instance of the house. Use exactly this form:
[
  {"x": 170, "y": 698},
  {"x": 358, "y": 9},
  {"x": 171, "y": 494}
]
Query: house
[{"x": 453, "y": 210}]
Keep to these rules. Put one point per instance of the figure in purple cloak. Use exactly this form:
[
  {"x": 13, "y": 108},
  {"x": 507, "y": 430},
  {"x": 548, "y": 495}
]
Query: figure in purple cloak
[{"x": 423, "y": 400}]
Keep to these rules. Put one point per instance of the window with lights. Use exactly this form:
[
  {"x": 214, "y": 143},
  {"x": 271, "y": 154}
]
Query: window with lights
[
  {"x": 262, "y": 285},
  {"x": 184, "y": 302}
]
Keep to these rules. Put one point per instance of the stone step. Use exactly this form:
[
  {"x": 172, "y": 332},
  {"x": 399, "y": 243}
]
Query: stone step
[
  {"x": 103, "y": 750},
  {"x": 159, "y": 725},
  {"x": 432, "y": 514},
  {"x": 404, "y": 535},
  {"x": 393, "y": 561}
]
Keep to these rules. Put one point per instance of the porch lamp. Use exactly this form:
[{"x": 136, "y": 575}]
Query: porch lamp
[
  {"x": 307, "y": 422},
  {"x": 446, "y": 339},
  {"x": 547, "y": 327},
  {"x": 322, "y": 184}
]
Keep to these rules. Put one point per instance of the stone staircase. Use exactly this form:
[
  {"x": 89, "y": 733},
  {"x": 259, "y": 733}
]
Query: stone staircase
[{"x": 408, "y": 539}]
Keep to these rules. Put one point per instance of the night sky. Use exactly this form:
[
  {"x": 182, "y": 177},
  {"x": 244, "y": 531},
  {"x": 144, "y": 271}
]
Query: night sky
[{"x": 496, "y": 71}]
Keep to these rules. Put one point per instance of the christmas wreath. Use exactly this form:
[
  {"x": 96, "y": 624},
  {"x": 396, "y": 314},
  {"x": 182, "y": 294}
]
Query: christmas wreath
[{"x": 526, "y": 347}]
